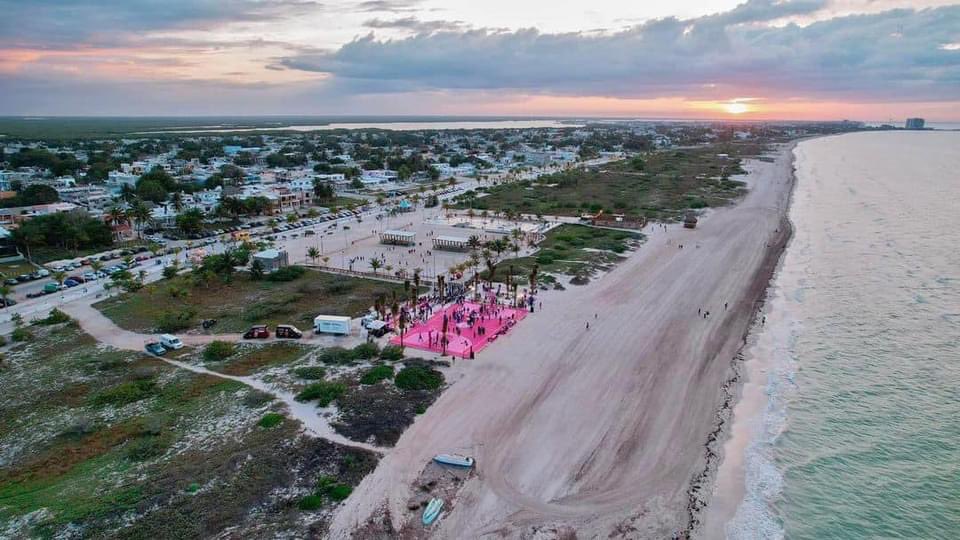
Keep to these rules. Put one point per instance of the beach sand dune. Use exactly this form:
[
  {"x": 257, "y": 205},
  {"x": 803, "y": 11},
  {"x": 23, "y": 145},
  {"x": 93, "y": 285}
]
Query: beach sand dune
[{"x": 601, "y": 430}]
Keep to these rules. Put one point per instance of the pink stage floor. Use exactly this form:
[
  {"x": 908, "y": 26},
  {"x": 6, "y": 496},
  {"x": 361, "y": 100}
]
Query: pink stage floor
[{"x": 419, "y": 336}]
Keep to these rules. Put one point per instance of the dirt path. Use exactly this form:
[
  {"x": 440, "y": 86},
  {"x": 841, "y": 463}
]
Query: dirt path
[
  {"x": 105, "y": 331},
  {"x": 597, "y": 431}
]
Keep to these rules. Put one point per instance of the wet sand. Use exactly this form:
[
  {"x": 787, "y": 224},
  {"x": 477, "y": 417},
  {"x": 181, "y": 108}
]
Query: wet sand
[{"x": 602, "y": 431}]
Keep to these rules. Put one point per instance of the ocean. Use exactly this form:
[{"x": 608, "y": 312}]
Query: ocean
[{"x": 860, "y": 433}]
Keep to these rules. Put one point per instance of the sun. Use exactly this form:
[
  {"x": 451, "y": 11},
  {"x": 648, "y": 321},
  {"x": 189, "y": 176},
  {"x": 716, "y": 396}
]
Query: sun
[{"x": 735, "y": 107}]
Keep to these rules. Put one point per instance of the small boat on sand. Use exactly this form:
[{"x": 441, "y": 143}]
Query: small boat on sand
[
  {"x": 432, "y": 511},
  {"x": 455, "y": 460}
]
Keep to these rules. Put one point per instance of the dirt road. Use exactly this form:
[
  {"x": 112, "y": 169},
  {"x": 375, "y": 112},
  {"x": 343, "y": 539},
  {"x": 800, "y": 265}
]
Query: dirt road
[{"x": 601, "y": 430}]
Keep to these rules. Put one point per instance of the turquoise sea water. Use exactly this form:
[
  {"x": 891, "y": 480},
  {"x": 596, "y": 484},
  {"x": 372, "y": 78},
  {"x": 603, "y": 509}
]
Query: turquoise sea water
[{"x": 861, "y": 433}]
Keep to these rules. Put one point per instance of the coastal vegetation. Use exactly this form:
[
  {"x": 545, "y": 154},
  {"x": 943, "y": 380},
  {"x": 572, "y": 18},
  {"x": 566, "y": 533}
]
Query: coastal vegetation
[
  {"x": 572, "y": 250},
  {"x": 181, "y": 303},
  {"x": 659, "y": 185},
  {"x": 98, "y": 442}
]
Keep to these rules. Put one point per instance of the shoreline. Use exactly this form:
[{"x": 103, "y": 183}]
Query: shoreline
[
  {"x": 553, "y": 458},
  {"x": 717, "y": 503}
]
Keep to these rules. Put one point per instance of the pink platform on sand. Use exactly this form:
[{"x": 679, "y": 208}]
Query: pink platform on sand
[{"x": 425, "y": 335}]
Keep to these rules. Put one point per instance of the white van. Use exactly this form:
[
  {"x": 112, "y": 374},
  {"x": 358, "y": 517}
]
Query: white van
[{"x": 171, "y": 342}]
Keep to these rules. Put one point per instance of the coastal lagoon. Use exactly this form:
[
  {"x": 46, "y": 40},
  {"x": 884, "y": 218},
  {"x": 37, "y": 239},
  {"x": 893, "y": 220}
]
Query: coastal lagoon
[
  {"x": 387, "y": 125},
  {"x": 857, "y": 434}
]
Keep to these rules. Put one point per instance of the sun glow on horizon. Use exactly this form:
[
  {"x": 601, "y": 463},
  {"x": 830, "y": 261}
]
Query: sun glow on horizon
[{"x": 736, "y": 107}]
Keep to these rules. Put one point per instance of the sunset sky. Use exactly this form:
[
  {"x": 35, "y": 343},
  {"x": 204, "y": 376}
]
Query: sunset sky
[{"x": 764, "y": 59}]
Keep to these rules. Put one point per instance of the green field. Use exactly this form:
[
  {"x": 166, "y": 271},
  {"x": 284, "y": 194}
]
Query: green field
[
  {"x": 244, "y": 302},
  {"x": 101, "y": 443},
  {"x": 663, "y": 187}
]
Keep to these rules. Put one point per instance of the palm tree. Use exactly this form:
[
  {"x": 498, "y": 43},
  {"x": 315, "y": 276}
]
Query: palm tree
[
  {"x": 141, "y": 214},
  {"x": 314, "y": 254},
  {"x": 116, "y": 217},
  {"x": 142, "y": 275},
  {"x": 96, "y": 266},
  {"x": 473, "y": 242},
  {"x": 177, "y": 200},
  {"x": 60, "y": 276},
  {"x": 326, "y": 261},
  {"x": 5, "y": 291},
  {"x": 375, "y": 264}
]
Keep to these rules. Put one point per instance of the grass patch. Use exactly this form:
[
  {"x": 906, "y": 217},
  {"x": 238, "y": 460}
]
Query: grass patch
[
  {"x": 419, "y": 378},
  {"x": 251, "y": 359},
  {"x": 324, "y": 393},
  {"x": 342, "y": 356},
  {"x": 271, "y": 420},
  {"x": 218, "y": 351},
  {"x": 312, "y": 373},
  {"x": 376, "y": 374},
  {"x": 242, "y": 302},
  {"x": 125, "y": 393}
]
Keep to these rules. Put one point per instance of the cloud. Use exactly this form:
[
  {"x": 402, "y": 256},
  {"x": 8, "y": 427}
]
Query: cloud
[
  {"x": 62, "y": 22},
  {"x": 892, "y": 55},
  {"x": 414, "y": 24},
  {"x": 387, "y": 6}
]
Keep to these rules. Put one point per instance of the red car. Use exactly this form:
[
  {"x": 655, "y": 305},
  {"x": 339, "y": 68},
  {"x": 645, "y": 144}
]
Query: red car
[{"x": 259, "y": 331}]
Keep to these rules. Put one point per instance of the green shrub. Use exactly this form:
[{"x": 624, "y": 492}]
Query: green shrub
[
  {"x": 329, "y": 487},
  {"x": 336, "y": 355},
  {"x": 175, "y": 322},
  {"x": 339, "y": 492},
  {"x": 323, "y": 392},
  {"x": 310, "y": 372},
  {"x": 125, "y": 393},
  {"x": 310, "y": 502},
  {"x": 419, "y": 378},
  {"x": 376, "y": 374},
  {"x": 146, "y": 448},
  {"x": 365, "y": 351},
  {"x": 55, "y": 317},
  {"x": 270, "y": 420},
  {"x": 392, "y": 353},
  {"x": 287, "y": 273},
  {"x": 21, "y": 334},
  {"x": 219, "y": 350},
  {"x": 545, "y": 259}
]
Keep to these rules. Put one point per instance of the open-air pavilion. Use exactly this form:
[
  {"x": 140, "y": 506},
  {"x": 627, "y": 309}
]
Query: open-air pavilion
[
  {"x": 400, "y": 238},
  {"x": 451, "y": 243}
]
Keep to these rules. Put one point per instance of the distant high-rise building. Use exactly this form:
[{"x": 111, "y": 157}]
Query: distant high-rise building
[{"x": 915, "y": 123}]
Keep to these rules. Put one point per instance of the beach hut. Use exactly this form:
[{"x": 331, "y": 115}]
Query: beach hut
[
  {"x": 399, "y": 238},
  {"x": 690, "y": 220}
]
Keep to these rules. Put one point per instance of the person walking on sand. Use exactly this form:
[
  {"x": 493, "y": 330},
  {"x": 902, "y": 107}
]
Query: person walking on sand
[{"x": 588, "y": 326}]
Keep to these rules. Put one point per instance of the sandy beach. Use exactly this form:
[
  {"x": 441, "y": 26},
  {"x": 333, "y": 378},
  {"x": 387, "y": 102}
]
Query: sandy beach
[{"x": 606, "y": 431}]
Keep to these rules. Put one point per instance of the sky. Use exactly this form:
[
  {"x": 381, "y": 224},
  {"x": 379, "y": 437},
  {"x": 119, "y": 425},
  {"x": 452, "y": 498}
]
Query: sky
[{"x": 874, "y": 60}]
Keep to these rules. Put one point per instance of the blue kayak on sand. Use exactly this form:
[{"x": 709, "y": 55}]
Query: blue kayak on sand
[
  {"x": 454, "y": 460},
  {"x": 432, "y": 512}
]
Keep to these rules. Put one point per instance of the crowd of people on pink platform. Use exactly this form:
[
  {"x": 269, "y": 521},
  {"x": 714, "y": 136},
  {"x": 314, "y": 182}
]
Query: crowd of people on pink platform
[{"x": 470, "y": 326}]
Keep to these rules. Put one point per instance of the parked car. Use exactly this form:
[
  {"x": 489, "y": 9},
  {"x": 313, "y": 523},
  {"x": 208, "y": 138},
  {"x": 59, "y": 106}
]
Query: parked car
[
  {"x": 51, "y": 288},
  {"x": 71, "y": 283},
  {"x": 10, "y": 281},
  {"x": 23, "y": 277},
  {"x": 89, "y": 276},
  {"x": 7, "y": 302},
  {"x": 259, "y": 331},
  {"x": 288, "y": 331},
  {"x": 155, "y": 348},
  {"x": 37, "y": 294},
  {"x": 171, "y": 342},
  {"x": 43, "y": 272}
]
